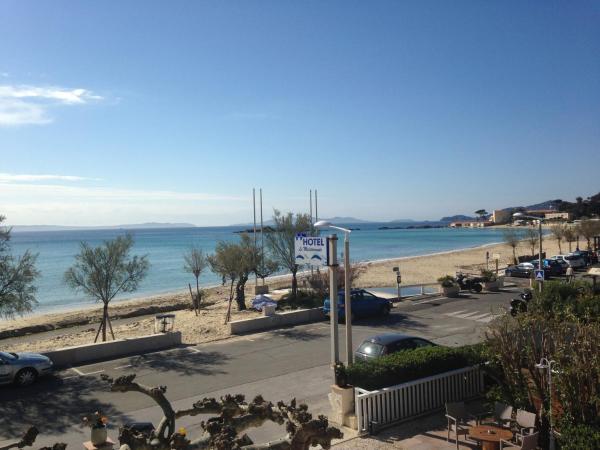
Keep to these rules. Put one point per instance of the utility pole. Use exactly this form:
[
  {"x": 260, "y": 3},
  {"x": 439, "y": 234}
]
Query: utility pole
[{"x": 333, "y": 301}]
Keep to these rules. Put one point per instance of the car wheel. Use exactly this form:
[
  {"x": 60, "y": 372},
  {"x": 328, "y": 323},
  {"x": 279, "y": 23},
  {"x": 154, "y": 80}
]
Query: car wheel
[
  {"x": 25, "y": 377},
  {"x": 385, "y": 311}
]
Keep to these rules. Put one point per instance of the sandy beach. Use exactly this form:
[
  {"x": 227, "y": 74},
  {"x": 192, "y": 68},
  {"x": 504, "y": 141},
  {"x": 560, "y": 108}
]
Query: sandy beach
[{"x": 79, "y": 326}]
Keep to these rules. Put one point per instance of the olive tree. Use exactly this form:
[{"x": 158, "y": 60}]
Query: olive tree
[
  {"x": 103, "y": 272},
  {"x": 588, "y": 229},
  {"x": 532, "y": 237},
  {"x": 511, "y": 238},
  {"x": 570, "y": 236},
  {"x": 281, "y": 241},
  {"x": 233, "y": 262},
  {"x": 558, "y": 231},
  {"x": 195, "y": 262},
  {"x": 17, "y": 274}
]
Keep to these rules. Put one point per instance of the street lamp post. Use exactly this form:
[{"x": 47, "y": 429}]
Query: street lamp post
[
  {"x": 540, "y": 220},
  {"x": 347, "y": 299},
  {"x": 546, "y": 364}
]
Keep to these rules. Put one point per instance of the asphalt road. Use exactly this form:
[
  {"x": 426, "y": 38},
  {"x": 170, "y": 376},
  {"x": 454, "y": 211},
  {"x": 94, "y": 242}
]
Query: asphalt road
[{"x": 280, "y": 365}]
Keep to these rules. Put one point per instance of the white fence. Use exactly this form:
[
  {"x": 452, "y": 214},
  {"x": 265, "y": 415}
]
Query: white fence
[{"x": 404, "y": 401}]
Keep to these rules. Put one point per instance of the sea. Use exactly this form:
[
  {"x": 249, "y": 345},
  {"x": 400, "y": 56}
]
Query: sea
[{"x": 165, "y": 248}]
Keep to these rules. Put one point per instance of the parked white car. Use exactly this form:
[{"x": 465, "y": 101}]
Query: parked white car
[{"x": 573, "y": 261}]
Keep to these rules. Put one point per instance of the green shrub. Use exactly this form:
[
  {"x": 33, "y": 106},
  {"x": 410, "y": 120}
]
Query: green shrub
[
  {"x": 577, "y": 437},
  {"x": 410, "y": 365},
  {"x": 302, "y": 300},
  {"x": 488, "y": 275},
  {"x": 447, "y": 281}
]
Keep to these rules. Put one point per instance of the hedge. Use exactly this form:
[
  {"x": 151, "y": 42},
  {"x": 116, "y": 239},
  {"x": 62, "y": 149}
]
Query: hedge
[
  {"x": 577, "y": 437},
  {"x": 411, "y": 365}
]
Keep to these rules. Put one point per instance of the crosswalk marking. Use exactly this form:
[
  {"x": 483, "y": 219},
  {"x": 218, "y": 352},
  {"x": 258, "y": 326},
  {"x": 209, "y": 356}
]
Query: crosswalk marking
[{"x": 477, "y": 316}]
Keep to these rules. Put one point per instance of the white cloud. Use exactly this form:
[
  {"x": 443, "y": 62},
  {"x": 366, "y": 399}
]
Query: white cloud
[
  {"x": 9, "y": 177},
  {"x": 28, "y": 105}
]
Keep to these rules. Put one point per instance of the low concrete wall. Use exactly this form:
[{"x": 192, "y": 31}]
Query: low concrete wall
[
  {"x": 276, "y": 321},
  {"x": 69, "y": 356}
]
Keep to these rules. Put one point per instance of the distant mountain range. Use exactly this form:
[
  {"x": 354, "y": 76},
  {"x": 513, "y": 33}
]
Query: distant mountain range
[
  {"x": 548, "y": 204},
  {"x": 457, "y": 218},
  {"x": 132, "y": 226}
]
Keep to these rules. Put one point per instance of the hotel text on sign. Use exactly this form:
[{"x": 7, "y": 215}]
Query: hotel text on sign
[{"x": 311, "y": 250}]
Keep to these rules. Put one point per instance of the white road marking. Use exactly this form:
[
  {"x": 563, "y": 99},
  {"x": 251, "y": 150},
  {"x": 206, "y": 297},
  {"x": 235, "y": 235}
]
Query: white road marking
[
  {"x": 480, "y": 316},
  {"x": 467, "y": 315},
  {"x": 83, "y": 374},
  {"x": 193, "y": 349},
  {"x": 124, "y": 367},
  {"x": 455, "y": 313},
  {"x": 486, "y": 319}
]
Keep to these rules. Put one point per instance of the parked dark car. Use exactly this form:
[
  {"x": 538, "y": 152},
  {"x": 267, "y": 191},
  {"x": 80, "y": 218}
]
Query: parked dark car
[
  {"x": 386, "y": 344},
  {"x": 526, "y": 269},
  {"x": 364, "y": 304},
  {"x": 551, "y": 267}
]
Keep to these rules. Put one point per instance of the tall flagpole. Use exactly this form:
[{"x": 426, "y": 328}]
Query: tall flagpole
[
  {"x": 262, "y": 238},
  {"x": 254, "y": 213}
]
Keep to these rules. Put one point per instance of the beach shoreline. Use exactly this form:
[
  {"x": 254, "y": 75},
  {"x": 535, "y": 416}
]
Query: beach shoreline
[{"x": 417, "y": 269}]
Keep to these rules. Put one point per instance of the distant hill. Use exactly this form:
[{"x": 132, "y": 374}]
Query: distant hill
[
  {"x": 548, "y": 204},
  {"x": 457, "y": 218},
  {"x": 132, "y": 226},
  {"x": 334, "y": 220}
]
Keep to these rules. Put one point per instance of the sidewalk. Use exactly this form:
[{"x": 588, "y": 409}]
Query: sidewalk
[{"x": 425, "y": 433}]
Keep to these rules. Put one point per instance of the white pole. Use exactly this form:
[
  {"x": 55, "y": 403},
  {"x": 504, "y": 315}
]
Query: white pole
[
  {"x": 541, "y": 267},
  {"x": 316, "y": 207},
  {"x": 254, "y": 214},
  {"x": 552, "y": 446},
  {"x": 333, "y": 302},
  {"x": 348, "y": 300},
  {"x": 262, "y": 237}
]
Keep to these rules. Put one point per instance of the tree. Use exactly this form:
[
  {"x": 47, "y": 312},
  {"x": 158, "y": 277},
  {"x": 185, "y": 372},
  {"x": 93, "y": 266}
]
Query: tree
[
  {"x": 225, "y": 262},
  {"x": 511, "y": 238},
  {"x": 558, "y": 231},
  {"x": 588, "y": 229},
  {"x": 17, "y": 291},
  {"x": 570, "y": 236},
  {"x": 195, "y": 262},
  {"x": 481, "y": 213},
  {"x": 532, "y": 237},
  {"x": 281, "y": 241},
  {"x": 234, "y": 416},
  {"x": 103, "y": 272},
  {"x": 247, "y": 262}
]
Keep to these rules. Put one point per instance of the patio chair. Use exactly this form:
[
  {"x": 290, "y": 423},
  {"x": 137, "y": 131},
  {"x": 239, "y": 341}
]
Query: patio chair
[
  {"x": 502, "y": 415},
  {"x": 528, "y": 442},
  {"x": 524, "y": 424},
  {"x": 458, "y": 420}
]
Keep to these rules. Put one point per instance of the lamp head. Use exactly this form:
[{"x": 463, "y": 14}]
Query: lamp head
[{"x": 322, "y": 224}]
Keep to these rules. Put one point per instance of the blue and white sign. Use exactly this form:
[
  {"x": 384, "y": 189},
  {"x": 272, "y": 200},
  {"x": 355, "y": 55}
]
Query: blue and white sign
[
  {"x": 311, "y": 250},
  {"x": 539, "y": 275}
]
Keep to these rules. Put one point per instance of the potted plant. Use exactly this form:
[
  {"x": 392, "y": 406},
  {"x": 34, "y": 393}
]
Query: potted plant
[
  {"x": 449, "y": 286},
  {"x": 490, "y": 281},
  {"x": 97, "y": 424}
]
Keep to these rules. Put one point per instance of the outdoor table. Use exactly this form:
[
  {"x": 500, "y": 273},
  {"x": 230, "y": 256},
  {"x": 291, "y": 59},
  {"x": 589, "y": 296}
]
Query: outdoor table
[{"x": 490, "y": 436}]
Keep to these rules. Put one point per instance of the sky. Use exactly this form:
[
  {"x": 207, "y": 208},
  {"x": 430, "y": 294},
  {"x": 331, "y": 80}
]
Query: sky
[{"x": 141, "y": 111}]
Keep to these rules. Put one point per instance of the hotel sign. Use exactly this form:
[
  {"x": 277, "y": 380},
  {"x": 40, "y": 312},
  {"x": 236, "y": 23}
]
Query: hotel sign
[{"x": 310, "y": 250}]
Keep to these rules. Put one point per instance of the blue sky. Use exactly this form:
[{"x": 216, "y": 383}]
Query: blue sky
[{"x": 135, "y": 111}]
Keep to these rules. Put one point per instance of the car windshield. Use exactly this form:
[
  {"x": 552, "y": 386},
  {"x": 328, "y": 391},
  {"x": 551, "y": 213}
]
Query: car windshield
[
  {"x": 8, "y": 356},
  {"x": 370, "y": 348}
]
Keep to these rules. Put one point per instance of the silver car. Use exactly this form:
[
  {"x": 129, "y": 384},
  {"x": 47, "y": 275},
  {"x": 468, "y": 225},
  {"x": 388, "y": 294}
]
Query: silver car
[{"x": 23, "y": 368}]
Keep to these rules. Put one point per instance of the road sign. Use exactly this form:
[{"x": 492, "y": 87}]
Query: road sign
[
  {"x": 496, "y": 256},
  {"x": 539, "y": 275},
  {"x": 310, "y": 250}
]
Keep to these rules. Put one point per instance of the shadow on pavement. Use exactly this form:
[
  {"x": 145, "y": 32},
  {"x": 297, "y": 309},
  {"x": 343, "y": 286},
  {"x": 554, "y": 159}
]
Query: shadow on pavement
[
  {"x": 52, "y": 404},
  {"x": 298, "y": 334},
  {"x": 393, "y": 320},
  {"x": 185, "y": 360}
]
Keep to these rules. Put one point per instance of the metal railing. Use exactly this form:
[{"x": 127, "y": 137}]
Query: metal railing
[{"x": 375, "y": 409}]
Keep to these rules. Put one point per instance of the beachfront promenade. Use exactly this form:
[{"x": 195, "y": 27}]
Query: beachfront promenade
[{"x": 280, "y": 364}]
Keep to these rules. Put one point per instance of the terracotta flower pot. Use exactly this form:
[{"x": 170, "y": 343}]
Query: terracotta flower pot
[
  {"x": 98, "y": 435},
  {"x": 451, "y": 291}
]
